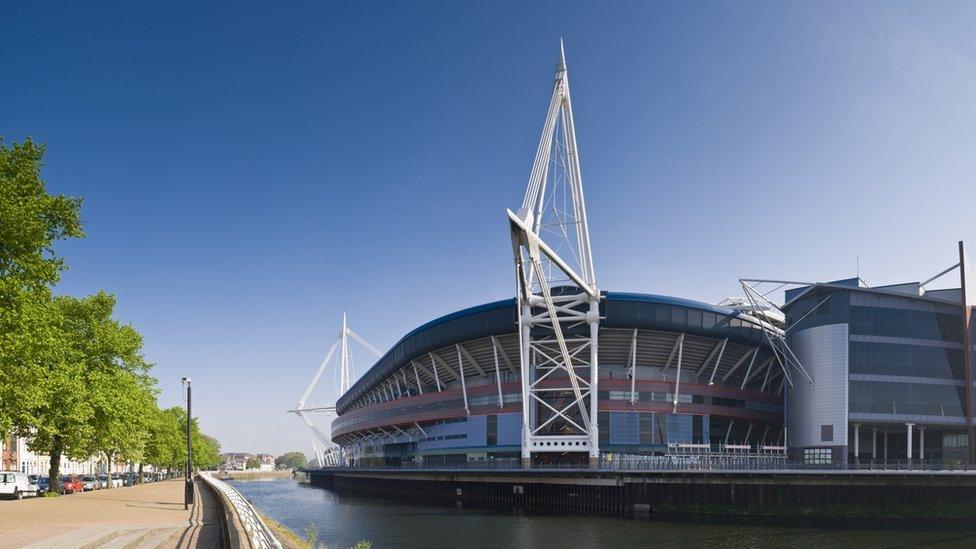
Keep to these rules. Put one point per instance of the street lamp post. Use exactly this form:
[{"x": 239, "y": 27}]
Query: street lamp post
[{"x": 188, "y": 485}]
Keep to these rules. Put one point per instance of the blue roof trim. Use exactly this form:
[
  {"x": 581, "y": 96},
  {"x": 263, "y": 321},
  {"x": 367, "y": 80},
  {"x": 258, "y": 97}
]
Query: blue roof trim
[
  {"x": 389, "y": 361},
  {"x": 459, "y": 314},
  {"x": 668, "y": 300}
]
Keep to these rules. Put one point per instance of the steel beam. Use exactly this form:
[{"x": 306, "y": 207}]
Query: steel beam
[
  {"x": 508, "y": 362},
  {"x": 474, "y": 363}
]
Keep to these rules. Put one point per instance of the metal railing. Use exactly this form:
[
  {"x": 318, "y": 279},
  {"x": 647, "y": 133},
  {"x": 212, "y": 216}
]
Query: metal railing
[
  {"x": 258, "y": 533},
  {"x": 688, "y": 462}
]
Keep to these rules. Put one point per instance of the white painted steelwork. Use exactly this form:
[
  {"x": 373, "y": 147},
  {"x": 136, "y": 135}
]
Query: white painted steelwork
[
  {"x": 557, "y": 293},
  {"x": 326, "y": 450},
  {"x": 775, "y": 336}
]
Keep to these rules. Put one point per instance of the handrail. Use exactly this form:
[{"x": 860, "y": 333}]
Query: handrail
[
  {"x": 690, "y": 462},
  {"x": 258, "y": 534}
]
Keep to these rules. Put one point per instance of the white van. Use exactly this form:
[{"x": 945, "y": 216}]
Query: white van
[{"x": 16, "y": 485}]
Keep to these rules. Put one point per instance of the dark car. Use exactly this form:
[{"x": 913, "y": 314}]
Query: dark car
[{"x": 44, "y": 485}]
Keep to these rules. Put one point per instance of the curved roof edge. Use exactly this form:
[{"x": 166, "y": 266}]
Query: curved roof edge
[{"x": 358, "y": 387}]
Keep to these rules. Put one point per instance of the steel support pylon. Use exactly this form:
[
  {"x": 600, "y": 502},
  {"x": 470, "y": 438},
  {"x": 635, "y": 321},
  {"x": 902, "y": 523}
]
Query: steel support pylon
[
  {"x": 558, "y": 299},
  {"x": 345, "y": 372}
]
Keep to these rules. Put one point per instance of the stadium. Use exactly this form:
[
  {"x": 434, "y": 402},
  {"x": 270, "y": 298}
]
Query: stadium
[
  {"x": 448, "y": 392},
  {"x": 565, "y": 372}
]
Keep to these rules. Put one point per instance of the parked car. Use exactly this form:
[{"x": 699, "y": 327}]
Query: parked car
[
  {"x": 16, "y": 485},
  {"x": 43, "y": 484},
  {"x": 105, "y": 479},
  {"x": 71, "y": 485},
  {"x": 117, "y": 480},
  {"x": 89, "y": 483}
]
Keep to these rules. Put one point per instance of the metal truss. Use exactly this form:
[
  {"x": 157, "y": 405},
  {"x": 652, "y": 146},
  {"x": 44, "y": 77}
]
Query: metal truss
[
  {"x": 557, "y": 293},
  {"x": 324, "y": 446},
  {"x": 326, "y": 456},
  {"x": 768, "y": 315}
]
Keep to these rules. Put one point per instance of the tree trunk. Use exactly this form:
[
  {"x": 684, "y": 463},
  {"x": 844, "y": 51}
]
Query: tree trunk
[
  {"x": 54, "y": 472},
  {"x": 108, "y": 468},
  {"x": 141, "y": 478}
]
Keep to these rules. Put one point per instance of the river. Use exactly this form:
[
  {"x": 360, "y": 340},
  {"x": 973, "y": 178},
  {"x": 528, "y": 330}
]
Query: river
[{"x": 341, "y": 521}]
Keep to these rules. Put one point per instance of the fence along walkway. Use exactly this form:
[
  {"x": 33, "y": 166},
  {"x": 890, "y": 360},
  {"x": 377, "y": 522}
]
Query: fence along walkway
[{"x": 243, "y": 522}]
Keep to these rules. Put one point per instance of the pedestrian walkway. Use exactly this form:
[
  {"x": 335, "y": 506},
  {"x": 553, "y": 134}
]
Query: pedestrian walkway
[{"x": 144, "y": 516}]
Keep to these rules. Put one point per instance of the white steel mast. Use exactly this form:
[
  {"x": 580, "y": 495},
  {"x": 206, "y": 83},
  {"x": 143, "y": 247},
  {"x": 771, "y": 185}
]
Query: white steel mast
[
  {"x": 345, "y": 381},
  {"x": 558, "y": 299}
]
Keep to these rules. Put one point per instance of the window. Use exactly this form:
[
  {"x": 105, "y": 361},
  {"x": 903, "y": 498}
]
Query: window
[
  {"x": 817, "y": 456},
  {"x": 906, "y": 360},
  {"x": 646, "y": 429},
  {"x": 492, "y": 435},
  {"x": 884, "y": 397},
  {"x": 826, "y": 433},
  {"x": 889, "y": 322}
]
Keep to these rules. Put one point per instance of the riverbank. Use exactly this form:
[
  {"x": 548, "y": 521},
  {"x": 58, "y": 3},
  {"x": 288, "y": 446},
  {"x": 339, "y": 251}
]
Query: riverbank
[
  {"x": 143, "y": 516},
  {"x": 254, "y": 475},
  {"x": 788, "y": 494}
]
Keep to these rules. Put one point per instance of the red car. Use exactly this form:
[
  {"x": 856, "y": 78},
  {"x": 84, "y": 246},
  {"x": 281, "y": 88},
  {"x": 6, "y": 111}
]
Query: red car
[{"x": 72, "y": 484}]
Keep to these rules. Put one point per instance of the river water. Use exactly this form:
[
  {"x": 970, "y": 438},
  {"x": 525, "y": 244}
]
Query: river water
[{"x": 341, "y": 521}]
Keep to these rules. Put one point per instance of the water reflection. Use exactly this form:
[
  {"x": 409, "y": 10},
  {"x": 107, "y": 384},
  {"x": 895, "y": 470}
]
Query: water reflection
[{"x": 341, "y": 521}]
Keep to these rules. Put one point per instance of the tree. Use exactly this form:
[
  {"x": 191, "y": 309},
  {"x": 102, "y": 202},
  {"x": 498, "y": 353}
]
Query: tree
[
  {"x": 291, "y": 460},
  {"x": 31, "y": 220},
  {"x": 122, "y": 402},
  {"x": 166, "y": 441},
  {"x": 72, "y": 379},
  {"x": 98, "y": 394},
  {"x": 206, "y": 451},
  {"x": 253, "y": 463},
  {"x": 120, "y": 390}
]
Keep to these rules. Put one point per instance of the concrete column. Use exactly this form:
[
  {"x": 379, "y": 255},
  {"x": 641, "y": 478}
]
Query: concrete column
[
  {"x": 857, "y": 441},
  {"x": 886, "y": 444},
  {"x": 874, "y": 444},
  {"x": 921, "y": 443},
  {"x": 909, "y": 439}
]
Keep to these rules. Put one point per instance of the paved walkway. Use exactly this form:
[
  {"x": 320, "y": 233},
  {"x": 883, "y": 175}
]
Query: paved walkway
[{"x": 145, "y": 516}]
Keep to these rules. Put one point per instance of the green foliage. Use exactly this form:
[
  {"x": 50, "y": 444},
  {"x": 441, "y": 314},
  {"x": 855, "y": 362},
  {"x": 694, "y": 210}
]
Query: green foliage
[
  {"x": 206, "y": 449},
  {"x": 166, "y": 444},
  {"x": 72, "y": 378},
  {"x": 98, "y": 395},
  {"x": 166, "y": 441},
  {"x": 291, "y": 460},
  {"x": 363, "y": 544},
  {"x": 253, "y": 463},
  {"x": 31, "y": 220},
  {"x": 312, "y": 535}
]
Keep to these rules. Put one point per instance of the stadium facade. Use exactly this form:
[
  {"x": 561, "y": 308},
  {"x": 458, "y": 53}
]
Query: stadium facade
[
  {"x": 893, "y": 369},
  {"x": 675, "y": 375}
]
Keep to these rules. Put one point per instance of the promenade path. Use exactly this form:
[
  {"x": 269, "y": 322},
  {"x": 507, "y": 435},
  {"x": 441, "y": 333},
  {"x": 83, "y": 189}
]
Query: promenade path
[{"x": 143, "y": 516}]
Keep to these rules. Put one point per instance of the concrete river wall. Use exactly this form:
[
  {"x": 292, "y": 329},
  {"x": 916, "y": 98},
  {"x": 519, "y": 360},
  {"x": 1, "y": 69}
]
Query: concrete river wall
[{"x": 843, "y": 493}]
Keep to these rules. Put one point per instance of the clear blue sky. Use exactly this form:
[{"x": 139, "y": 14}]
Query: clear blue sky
[{"x": 251, "y": 171}]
